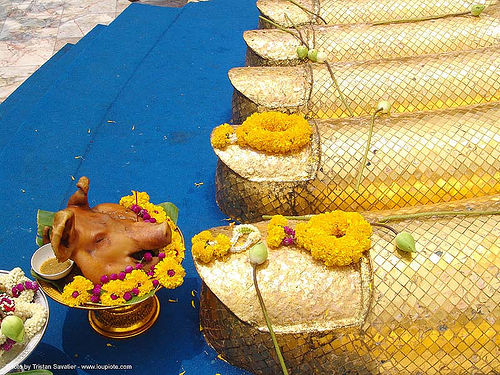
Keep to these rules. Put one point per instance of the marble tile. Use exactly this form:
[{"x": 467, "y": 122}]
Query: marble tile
[
  {"x": 12, "y": 77},
  {"x": 121, "y": 5},
  {"x": 62, "y": 41},
  {"x": 80, "y": 24},
  {"x": 31, "y": 25},
  {"x": 89, "y": 6},
  {"x": 26, "y": 52}
]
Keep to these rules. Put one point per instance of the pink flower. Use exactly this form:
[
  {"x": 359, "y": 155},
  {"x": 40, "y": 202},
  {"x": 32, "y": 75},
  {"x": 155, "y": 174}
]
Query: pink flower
[
  {"x": 127, "y": 296},
  {"x": 104, "y": 279},
  {"x": 113, "y": 276},
  {"x": 161, "y": 255},
  {"x": 95, "y": 298},
  {"x": 75, "y": 294},
  {"x": 155, "y": 283},
  {"x": 138, "y": 266},
  {"x": 121, "y": 275},
  {"x": 148, "y": 257},
  {"x": 129, "y": 269}
]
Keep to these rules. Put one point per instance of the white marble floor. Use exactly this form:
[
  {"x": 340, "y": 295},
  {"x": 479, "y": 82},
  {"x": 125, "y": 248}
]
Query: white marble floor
[{"x": 31, "y": 31}]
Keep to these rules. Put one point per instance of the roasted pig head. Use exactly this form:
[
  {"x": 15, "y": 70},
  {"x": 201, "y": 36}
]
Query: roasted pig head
[{"x": 104, "y": 239}]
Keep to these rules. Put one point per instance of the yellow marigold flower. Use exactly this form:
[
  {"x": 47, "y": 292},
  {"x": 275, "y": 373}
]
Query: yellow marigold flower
[
  {"x": 222, "y": 246},
  {"x": 221, "y": 136},
  {"x": 205, "y": 248},
  {"x": 336, "y": 238},
  {"x": 169, "y": 273},
  {"x": 77, "y": 292},
  {"x": 129, "y": 200},
  {"x": 155, "y": 211},
  {"x": 138, "y": 279},
  {"x": 275, "y": 231},
  {"x": 274, "y": 132},
  {"x": 107, "y": 300}
]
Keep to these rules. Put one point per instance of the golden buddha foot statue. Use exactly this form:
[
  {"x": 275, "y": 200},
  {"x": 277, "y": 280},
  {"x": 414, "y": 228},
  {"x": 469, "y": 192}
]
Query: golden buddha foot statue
[{"x": 433, "y": 311}]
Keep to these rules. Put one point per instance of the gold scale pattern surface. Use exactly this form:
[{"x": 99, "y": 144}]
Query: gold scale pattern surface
[
  {"x": 362, "y": 42},
  {"x": 420, "y": 158},
  {"x": 410, "y": 84},
  {"x": 433, "y": 312},
  {"x": 360, "y": 11}
]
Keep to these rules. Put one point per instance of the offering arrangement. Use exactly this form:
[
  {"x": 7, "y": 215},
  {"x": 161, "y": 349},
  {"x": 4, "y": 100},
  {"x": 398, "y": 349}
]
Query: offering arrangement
[
  {"x": 123, "y": 252},
  {"x": 24, "y": 315}
]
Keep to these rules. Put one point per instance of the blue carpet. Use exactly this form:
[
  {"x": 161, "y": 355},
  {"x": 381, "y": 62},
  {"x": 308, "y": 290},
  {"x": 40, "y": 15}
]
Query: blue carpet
[{"x": 149, "y": 89}]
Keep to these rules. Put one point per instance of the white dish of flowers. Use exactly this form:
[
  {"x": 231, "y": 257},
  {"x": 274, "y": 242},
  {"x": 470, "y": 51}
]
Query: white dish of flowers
[{"x": 24, "y": 315}]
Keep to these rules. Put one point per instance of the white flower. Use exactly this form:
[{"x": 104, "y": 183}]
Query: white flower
[{"x": 240, "y": 230}]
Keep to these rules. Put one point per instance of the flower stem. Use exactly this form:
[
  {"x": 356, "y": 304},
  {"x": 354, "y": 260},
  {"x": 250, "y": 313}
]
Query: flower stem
[
  {"x": 436, "y": 213},
  {"x": 282, "y": 28},
  {"x": 298, "y": 31},
  {"x": 421, "y": 19},
  {"x": 368, "y": 143},
  {"x": 307, "y": 10},
  {"x": 385, "y": 226},
  {"x": 342, "y": 97},
  {"x": 268, "y": 322}
]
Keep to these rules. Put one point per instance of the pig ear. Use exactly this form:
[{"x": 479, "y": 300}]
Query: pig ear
[
  {"x": 62, "y": 233},
  {"x": 79, "y": 197}
]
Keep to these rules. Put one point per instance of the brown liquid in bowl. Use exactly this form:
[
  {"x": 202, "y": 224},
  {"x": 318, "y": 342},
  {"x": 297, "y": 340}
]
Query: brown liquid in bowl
[{"x": 52, "y": 266}]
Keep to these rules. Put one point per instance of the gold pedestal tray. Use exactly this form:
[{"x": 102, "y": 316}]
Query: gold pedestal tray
[
  {"x": 127, "y": 321},
  {"x": 116, "y": 322},
  {"x": 411, "y": 84},
  {"x": 363, "y": 42},
  {"x": 435, "y": 311}
]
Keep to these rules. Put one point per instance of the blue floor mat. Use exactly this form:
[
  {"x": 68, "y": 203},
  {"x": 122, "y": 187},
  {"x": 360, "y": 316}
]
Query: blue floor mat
[{"x": 150, "y": 91}]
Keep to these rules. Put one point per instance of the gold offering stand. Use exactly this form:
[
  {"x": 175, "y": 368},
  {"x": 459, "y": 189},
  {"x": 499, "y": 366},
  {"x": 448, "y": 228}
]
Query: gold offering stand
[{"x": 115, "y": 322}]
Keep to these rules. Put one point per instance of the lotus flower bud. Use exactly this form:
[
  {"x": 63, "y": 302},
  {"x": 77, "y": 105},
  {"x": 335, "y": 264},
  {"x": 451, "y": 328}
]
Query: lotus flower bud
[
  {"x": 258, "y": 254},
  {"x": 313, "y": 55},
  {"x": 384, "y": 106},
  {"x": 302, "y": 52},
  {"x": 405, "y": 242},
  {"x": 321, "y": 57},
  {"x": 13, "y": 328},
  {"x": 477, "y": 9}
]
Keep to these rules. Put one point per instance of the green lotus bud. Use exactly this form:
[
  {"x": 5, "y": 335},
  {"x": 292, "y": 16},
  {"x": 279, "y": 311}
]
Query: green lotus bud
[
  {"x": 313, "y": 55},
  {"x": 13, "y": 328},
  {"x": 302, "y": 52},
  {"x": 405, "y": 242},
  {"x": 258, "y": 254},
  {"x": 321, "y": 57},
  {"x": 384, "y": 106},
  {"x": 477, "y": 9}
]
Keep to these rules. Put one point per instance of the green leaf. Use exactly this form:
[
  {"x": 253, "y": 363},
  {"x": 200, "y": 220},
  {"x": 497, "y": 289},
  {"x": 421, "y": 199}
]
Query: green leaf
[
  {"x": 171, "y": 210},
  {"x": 58, "y": 284},
  {"x": 43, "y": 219}
]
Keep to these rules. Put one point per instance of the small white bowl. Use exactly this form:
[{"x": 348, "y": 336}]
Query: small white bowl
[{"x": 40, "y": 256}]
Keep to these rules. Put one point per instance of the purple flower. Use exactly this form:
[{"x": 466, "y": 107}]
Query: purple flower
[
  {"x": 148, "y": 257},
  {"x": 161, "y": 255},
  {"x": 7, "y": 345},
  {"x": 121, "y": 275},
  {"x": 127, "y": 296},
  {"x": 152, "y": 220},
  {"x": 114, "y": 297},
  {"x": 138, "y": 266},
  {"x": 75, "y": 294},
  {"x": 34, "y": 286},
  {"x": 288, "y": 230},
  {"x": 104, "y": 279},
  {"x": 135, "y": 291},
  {"x": 28, "y": 285},
  {"x": 20, "y": 287},
  {"x": 97, "y": 289},
  {"x": 95, "y": 298},
  {"x": 113, "y": 276},
  {"x": 129, "y": 269},
  {"x": 155, "y": 283}
]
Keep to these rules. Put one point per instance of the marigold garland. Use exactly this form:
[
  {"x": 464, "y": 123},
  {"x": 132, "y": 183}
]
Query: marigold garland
[
  {"x": 206, "y": 247},
  {"x": 274, "y": 132},
  {"x": 222, "y": 136},
  {"x": 275, "y": 231},
  {"x": 337, "y": 238},
  {"x": 155, "y": 211}
]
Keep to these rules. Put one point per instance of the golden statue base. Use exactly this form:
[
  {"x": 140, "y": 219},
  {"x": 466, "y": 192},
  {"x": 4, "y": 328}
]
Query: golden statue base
[{"x": 127, "y": 321}]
